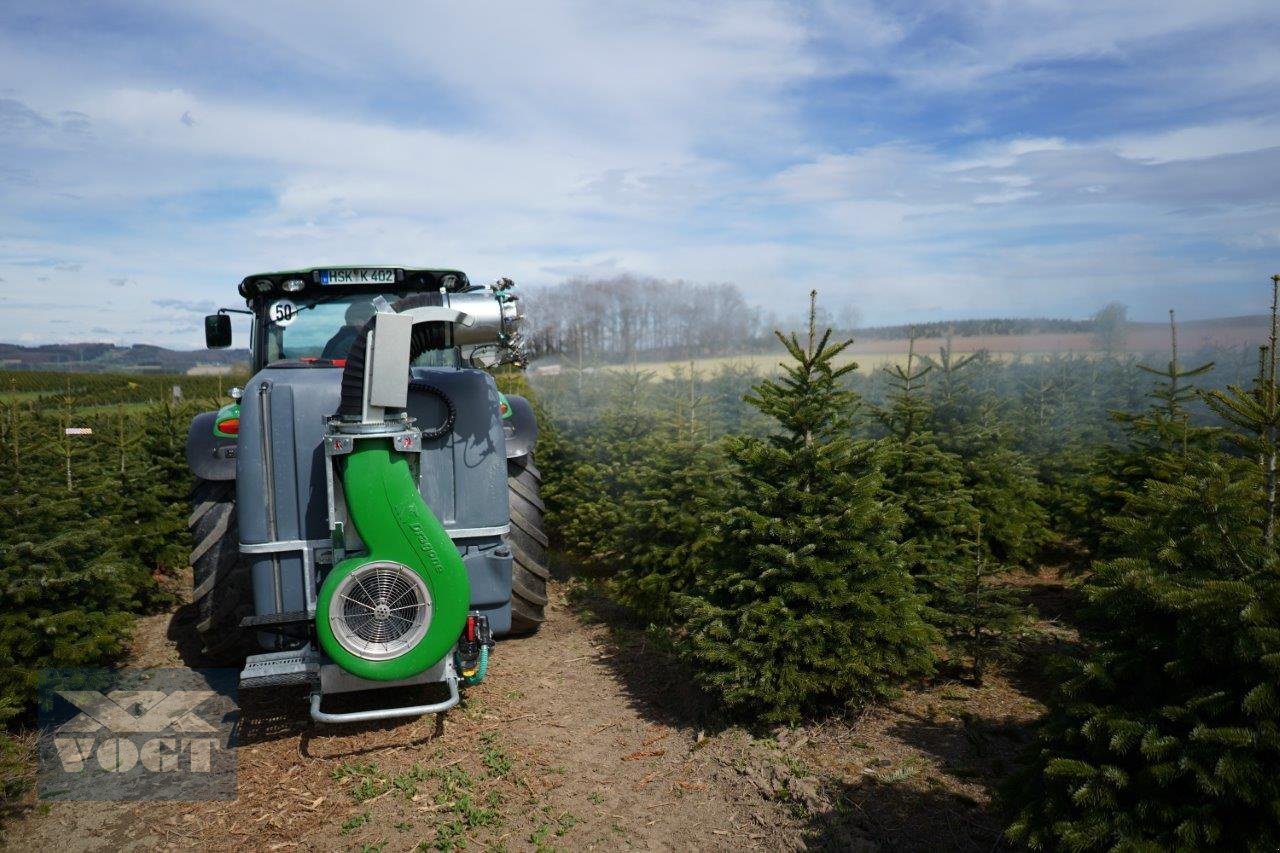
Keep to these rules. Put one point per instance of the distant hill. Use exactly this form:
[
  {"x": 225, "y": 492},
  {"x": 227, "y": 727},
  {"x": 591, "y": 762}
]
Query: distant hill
[
  {"x": 93, "y": 357},
  {"x": 1033, "y": 336}
]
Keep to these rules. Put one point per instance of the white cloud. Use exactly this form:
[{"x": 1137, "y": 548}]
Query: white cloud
[
  {"x": 1199, "y": 141},
  {"x": 962, "y": 45},
  {"x": 774, "y": 144}
]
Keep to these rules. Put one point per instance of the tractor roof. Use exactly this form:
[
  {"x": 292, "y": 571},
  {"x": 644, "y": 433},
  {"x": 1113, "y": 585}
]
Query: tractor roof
[{"x": 356, "y": 277}]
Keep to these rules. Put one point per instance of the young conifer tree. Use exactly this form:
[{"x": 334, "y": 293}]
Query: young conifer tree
[
  {"x": 807, "y": 603},
  {"x": 68, "y": 585},
  {"x": 585, "y": 502},
  {"x": 1156, "y": 448},
  {"x": 928, "y": 485},
  {"x": 668, "y": 522},
  {"x": 1001, "y": 481},
  {"x": 985, "y": 616},
  {"x": 160, "y": 494},
  {"x": 1166, "y": 735}
]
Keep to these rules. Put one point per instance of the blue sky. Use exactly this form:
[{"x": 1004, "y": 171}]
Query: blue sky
[{"x": 915, "y": 160}]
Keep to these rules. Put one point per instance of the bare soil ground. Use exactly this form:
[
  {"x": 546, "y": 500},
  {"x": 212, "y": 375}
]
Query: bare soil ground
[{"x": 585, "y": 737}]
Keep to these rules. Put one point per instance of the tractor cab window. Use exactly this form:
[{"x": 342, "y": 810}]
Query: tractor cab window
[{"x": 324, "y": 329}]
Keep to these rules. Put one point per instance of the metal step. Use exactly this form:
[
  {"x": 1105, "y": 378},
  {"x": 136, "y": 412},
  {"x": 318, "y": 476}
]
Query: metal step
[
  {"x": 276, "y": 669},
  {"x": 276, "y": 620}
]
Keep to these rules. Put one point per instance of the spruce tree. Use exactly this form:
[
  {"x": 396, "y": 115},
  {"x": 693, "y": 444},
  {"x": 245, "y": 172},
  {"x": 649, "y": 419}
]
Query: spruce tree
[
  {"x": 604, "y": 472},
  {"x": 1166, "y": 734},
  {"x": 928, "y": 485},
  {"x": 663, "y": 536},
  {"x": 985, "y": 618},
  {"x": 806, "y": 603}
]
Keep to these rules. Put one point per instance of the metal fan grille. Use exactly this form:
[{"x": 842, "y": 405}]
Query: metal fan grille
[{"x": 381, "y": 610}]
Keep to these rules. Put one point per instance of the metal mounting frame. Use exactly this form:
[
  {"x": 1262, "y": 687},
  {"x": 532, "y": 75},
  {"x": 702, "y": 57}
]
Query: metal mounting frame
[{"x": 450, "y": 678}]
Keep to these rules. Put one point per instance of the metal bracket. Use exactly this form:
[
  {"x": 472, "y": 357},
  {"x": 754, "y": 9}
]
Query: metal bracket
[
  {"x": 405, "y": 440},
  {"x": 306, "y": 546},
  {"x": 451, "y": 679},
  {"x": 439, "y": 314}
]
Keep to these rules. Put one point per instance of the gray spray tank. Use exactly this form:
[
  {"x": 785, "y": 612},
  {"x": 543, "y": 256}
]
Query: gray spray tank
[{"x": 282, "y": 506}]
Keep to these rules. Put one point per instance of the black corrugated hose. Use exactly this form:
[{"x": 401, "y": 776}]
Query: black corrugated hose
[{"x": 425, "y": 336}]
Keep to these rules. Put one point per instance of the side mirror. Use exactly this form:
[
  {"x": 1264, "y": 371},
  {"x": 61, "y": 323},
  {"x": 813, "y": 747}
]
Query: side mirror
[{"x": 217, "y": 331}]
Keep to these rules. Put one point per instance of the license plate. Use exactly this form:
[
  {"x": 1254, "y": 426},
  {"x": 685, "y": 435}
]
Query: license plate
[{"x": 358, "y": 276}]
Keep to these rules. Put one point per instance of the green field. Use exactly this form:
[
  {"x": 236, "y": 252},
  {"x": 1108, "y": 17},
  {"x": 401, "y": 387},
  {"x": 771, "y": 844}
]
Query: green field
[{"x": 97, "y": 391}]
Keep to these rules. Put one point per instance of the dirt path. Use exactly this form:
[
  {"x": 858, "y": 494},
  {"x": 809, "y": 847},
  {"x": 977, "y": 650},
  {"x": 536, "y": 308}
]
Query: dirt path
[
  {"x": 581, "y": 738},
  {"x": 551, "y": 751}
]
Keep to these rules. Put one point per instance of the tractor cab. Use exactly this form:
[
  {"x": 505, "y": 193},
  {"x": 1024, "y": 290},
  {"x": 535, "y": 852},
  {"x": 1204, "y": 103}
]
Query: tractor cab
[{"x": 310, "y": 317}]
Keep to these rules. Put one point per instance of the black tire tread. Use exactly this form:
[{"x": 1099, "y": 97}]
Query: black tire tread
[
  {"x": 219, "y": 577},
  {"x": 528, "y": 542}
]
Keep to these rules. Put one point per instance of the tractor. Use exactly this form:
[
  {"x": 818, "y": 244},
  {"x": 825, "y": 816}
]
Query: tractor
[{"x": 366, "y": 511}]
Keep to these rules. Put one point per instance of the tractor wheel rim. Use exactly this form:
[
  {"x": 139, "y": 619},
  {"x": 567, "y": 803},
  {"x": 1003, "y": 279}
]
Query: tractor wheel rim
[{"x": 380, "y": 610}]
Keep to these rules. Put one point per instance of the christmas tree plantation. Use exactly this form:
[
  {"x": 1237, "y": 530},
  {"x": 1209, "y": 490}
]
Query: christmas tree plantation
[{"x": 1165, "y": 733}]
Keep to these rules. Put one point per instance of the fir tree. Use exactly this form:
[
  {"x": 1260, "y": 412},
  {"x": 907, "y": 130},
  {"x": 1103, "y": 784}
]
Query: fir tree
[
  {"x": 1256, "y": 415},
  {"x": 585, "y": 501},
  {"x": 806, "y": 603},
  {"x": 1000, "y": 481},
  {"x": 1156, "y": 447},
  {"x": 984, "y": 616},
  {"x": 156, "y": 496},
  {"x": 928, "y": 485},
  {"x": 663, "y": 535},
  {"x": 68, "y": 587},
  {"x": 977, "y": 617},
  {"x": 1167, "y": 734}
]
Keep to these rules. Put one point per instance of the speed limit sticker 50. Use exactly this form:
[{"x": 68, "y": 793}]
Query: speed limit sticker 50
[{"x": 282, "y": 312}]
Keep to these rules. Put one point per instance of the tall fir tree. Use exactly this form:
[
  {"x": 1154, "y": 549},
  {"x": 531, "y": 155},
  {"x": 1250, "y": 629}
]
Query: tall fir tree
[
  {"x": 975, "y": 614},
  {"x": 1166, "y": 734},
  {"x": 68, "y": 586},
  {"x": 807, "y": 603},
  {"x": 985, "y": 617},
  {"x": 1000, "y": 480}
]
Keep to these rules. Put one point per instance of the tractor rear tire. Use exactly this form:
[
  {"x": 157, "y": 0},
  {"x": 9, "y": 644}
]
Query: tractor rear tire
[
  {"x": 223, "y": 592},
  {"x": 528, "y": 541}
]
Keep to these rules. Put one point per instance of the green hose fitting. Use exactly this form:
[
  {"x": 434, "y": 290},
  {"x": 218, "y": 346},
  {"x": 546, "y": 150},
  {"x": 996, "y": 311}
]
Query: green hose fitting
[
  {"x": 396, "y": 527},
  {"x": 482, "y": 666}
]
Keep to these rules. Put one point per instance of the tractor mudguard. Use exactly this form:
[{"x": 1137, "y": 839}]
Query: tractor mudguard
[
  {"x": 521, "y": 427},
  {"x": 210, "y": 457},
  {"x": 399, "y": 531}
]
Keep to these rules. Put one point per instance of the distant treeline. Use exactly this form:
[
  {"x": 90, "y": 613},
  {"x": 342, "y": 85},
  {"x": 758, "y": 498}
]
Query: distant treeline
[
  {"x": 622, "y": 318},
  {"x": 630, "y": 318},
  {"x": 974, "y": 328}
]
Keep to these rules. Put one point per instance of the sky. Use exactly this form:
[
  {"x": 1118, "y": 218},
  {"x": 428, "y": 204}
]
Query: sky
[{"x": 916, "y": 160}]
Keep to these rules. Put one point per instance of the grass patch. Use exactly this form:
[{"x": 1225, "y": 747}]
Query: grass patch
[
  {"x": 495, "y": 758},
  {"x": 355, "y": 822}
]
